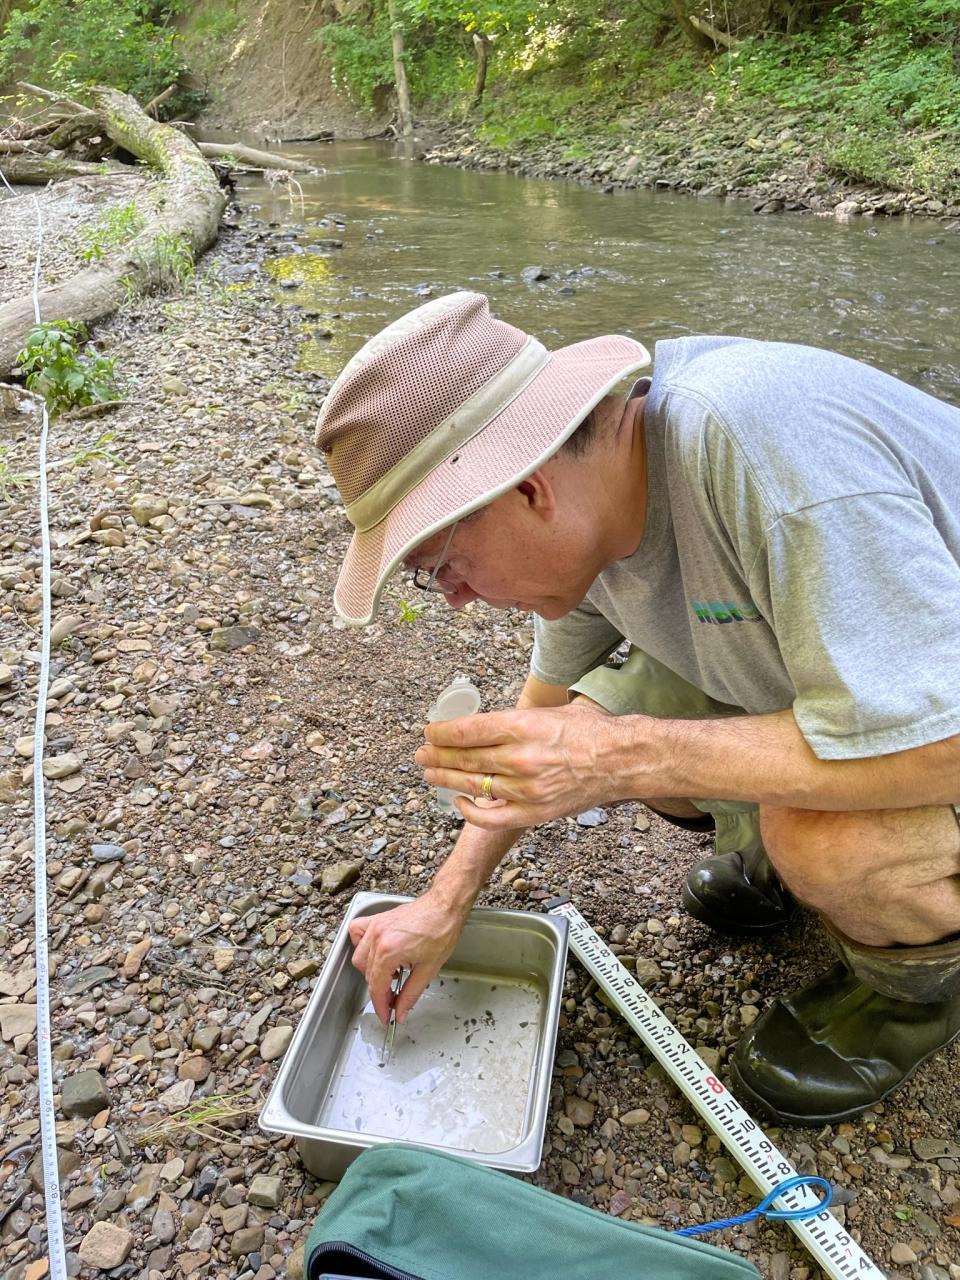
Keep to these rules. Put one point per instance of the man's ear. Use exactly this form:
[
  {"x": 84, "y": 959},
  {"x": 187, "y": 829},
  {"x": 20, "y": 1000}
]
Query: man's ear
[{"x": 539, "y": 493}]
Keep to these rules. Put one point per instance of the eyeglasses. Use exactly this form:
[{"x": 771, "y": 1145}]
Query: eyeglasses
[{"x": 426, "y": 579}]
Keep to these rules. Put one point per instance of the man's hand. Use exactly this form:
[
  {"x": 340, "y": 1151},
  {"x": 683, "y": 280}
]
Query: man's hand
[
  {"x": 418, "y": 936},
  {"x": 545, "y": 763}
]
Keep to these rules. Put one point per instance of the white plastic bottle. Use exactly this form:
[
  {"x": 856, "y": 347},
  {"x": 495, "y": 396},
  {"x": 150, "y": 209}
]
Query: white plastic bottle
[{"x": 459, "y": 698}]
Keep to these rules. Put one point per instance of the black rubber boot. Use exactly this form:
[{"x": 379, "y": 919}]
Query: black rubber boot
[
  {"x": 737, "y": 893},
  {"x": 839, "y": 1045}
]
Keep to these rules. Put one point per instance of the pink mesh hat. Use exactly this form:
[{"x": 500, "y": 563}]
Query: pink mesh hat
[{"x": 443, "y": 411}]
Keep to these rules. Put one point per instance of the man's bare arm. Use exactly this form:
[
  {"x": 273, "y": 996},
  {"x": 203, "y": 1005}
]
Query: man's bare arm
[
  {"x": 420, "y": 935},
  {"x": 556, "y": 762}
]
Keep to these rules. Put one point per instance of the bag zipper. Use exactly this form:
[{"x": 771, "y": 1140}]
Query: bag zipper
[{"x": 382, "y": 1270}]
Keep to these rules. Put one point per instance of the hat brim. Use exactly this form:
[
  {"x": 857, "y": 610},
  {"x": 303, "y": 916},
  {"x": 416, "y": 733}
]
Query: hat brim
[{"x": 521, "y": 438}]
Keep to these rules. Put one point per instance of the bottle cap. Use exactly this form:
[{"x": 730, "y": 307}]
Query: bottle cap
[{"x": 460, "y": 698}]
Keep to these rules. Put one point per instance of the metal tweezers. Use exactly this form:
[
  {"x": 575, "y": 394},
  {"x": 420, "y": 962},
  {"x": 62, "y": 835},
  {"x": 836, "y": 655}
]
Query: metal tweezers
[{"x": 391, "y": 1034}]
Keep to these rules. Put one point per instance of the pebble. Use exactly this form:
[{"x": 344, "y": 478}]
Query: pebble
[
  {"x": 579, "y": 1111},
  {"x": 105, "y": 1246},
  {"x": 230, "y": 638},
  {"x": 246, "y": 1240},
  {"x": 275, "y": 1043},
  {"x": 631, "y": 1119},
  {"x": 340, "y": 876},
  {"x": 17, "y": 1020},
  {"x": 902, "y": 1255},
  {"x": 84, "y": 1094},
  {"x": 266, "y": 1190},
  {"x": 64, "y": 766},
  {"x": 163, "y": 1226},
  {"x": 108, "y": 852},
  {"x": 145, "y": 508}
]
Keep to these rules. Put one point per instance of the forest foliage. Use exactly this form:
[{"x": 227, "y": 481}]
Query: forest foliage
[{"x": 871, "y": 70}]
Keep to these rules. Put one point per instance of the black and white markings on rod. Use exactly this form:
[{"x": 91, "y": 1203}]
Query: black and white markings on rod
[{"x": 822, "y": 1235}]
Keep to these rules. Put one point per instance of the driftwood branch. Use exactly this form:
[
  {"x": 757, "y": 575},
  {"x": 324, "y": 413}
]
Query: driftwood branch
[
  {"x": 58, "y": 98},
  {"x": 190, "y": 203},
  {"x": 254, "y": 158},
  {"x": 722, "y": 38},
  {"x": 152, "y": 105}
]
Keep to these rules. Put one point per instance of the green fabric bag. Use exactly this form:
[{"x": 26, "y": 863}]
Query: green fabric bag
[{"x": 407, "y": 1213}]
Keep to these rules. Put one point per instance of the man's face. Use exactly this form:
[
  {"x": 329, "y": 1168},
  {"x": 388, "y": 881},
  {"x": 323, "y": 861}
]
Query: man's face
[{"x": 507, "y": 558}]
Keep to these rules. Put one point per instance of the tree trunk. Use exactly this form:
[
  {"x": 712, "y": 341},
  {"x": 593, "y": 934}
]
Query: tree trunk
[
  {"x": 400, "y": 72},
  {"x": 252, "y": 158},
  {"x": 481, "y": 45},
  {"x": 190, "y": 203}
]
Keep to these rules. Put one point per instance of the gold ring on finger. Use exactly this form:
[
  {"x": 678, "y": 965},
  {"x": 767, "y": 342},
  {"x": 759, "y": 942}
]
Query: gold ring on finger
[{"x": 486, "y": 787}]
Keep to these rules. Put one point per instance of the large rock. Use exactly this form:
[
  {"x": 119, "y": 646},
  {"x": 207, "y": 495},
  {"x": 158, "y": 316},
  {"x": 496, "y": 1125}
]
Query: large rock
[
  {"x": 105, "y": 1246},
  {"x": 340, "y": 876},
  {"x": 145, "y": 507},
  {"x": 62, "y": 766},
  {"x": 228, "y": 638},
  {"x": 84, "y": 1094},
  {"x": 17, "y": 1020}
]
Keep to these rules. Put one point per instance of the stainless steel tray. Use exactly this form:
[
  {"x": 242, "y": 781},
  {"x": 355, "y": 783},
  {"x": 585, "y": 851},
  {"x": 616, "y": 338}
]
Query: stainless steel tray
[{"x": 470, "y": 1069}]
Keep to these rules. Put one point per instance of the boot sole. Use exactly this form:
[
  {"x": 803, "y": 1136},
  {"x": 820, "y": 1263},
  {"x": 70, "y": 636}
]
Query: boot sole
[
  {"x": 700, "y": 911},
  {"x": 742, "y": 1090}
]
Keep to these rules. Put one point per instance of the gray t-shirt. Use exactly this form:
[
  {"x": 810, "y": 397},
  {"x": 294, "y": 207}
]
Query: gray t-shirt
[{"x": 801, "y": 549}]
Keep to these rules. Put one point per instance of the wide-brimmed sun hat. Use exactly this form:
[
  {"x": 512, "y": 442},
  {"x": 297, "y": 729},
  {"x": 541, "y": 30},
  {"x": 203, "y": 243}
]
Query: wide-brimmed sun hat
[{"x": 438, "y": 414}]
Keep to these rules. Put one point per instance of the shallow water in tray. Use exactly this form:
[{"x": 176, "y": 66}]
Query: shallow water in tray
[{"x": 460, "y": 1072}]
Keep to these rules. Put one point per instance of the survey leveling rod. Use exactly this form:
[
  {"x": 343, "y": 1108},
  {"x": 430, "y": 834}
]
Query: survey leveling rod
[{"x": 839, "y": 1255}]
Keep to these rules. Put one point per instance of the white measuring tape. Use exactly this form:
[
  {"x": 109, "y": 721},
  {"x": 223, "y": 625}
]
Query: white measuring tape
[
  {"x": 56, "y": 1257},
  {"x": 834, "y": 1249}
]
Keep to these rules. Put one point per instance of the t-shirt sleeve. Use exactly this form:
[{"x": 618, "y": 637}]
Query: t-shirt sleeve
[
  {"x": 864, "y": 598},
  {"x": 567, "y": 648}
]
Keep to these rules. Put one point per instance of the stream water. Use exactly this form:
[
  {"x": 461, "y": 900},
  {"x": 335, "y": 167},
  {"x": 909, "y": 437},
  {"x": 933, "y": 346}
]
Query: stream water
[{"x": 653, "y": 265}]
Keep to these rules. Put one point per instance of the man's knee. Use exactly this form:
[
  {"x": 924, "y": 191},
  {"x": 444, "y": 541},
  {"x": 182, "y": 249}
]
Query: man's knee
[
  {"x": 820, "y": 855},
  {"x": 825, "y": 857}
]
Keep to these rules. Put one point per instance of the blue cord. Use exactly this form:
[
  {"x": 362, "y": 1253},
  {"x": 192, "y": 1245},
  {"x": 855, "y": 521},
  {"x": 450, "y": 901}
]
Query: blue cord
[{"x": 765, "y": 1210}]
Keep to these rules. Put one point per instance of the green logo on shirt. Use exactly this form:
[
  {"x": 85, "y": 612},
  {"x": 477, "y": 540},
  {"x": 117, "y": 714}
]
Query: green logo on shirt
[{"x": 725, "y": 611}]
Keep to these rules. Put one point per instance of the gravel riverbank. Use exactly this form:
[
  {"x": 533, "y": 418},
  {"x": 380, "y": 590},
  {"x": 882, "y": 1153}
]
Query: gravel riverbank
[
  {"x": 777, "y": 159},
  {"x": 226, "y": 765}
]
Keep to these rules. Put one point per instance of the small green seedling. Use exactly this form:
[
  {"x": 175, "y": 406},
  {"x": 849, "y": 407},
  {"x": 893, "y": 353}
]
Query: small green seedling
[
  {"x": 409, "y": 612},
  {"x": 98, "y": 452}
]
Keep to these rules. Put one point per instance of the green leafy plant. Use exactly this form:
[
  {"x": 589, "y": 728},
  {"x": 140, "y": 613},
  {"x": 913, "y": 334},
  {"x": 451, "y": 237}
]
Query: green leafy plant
[
  {"x": 130, "y": 44},
  {"x": 409, "y": 612},
  {"x": 98, "y": 452},
  {"x": 55, "y": 367},
  {"x": 174, "y": 258},
  {"x": 114, "y": 228}
]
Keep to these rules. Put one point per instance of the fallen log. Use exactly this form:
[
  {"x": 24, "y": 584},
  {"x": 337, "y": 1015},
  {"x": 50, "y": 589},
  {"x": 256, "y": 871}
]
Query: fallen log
[
  {"x": 189, "y": 204},
  {"x": 722, "y": 39},
  {"x": 37, "y": 170},
  {"x": 250, "y": 156}
]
